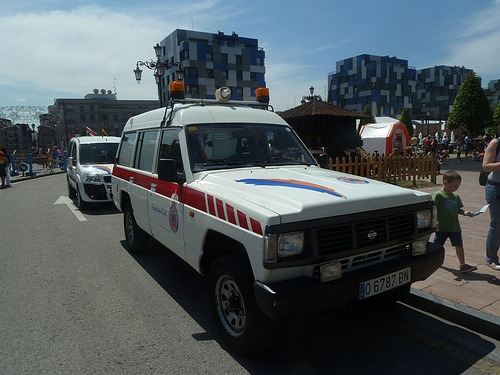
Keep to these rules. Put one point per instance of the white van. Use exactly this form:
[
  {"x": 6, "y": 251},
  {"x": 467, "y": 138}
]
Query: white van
[
  {"x": 230, "y": 188},
  {"x": 90, "y": 163}
]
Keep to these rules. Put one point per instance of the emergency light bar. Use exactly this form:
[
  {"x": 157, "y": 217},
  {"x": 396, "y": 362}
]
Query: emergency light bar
[{"x": 176, "y": 89}]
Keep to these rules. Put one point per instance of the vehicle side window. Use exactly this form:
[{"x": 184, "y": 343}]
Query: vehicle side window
[
  {"x": 146, "y": 151},
  {"x": 127, "y": 149},
  {"x": 170, "y": 149}
]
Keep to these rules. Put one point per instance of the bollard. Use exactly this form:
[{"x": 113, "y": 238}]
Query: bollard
[
  {"x": 65, "y": 161},
  {"x": 13, "y": 171},
  {"x": 30, "y": 163}
]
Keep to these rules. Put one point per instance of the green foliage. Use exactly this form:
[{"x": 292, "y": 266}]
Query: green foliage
[
  {"x": 495, "y": 128},
  {"x": 471, "y": 110},
  {"x": 405, "y": 118},
  {"x": 367, "y": 111}
]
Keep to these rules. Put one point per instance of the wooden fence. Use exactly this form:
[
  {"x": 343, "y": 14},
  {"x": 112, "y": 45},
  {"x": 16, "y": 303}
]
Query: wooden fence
[{"x": 389, "y": 168}]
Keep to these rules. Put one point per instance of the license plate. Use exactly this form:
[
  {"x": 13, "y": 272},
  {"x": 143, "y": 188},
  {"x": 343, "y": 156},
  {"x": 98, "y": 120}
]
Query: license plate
[{"x": 384, "y": 283}]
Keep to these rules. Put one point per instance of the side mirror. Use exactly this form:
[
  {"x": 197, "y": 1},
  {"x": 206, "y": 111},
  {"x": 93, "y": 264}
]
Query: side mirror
[{"x": 167, "y": 170}]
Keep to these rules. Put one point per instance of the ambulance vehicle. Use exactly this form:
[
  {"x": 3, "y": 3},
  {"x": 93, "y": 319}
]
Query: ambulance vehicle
[{"x": 230, "y": 188}]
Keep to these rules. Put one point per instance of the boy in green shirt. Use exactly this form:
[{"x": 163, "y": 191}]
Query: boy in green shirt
[{"x": 449, "y": 206}]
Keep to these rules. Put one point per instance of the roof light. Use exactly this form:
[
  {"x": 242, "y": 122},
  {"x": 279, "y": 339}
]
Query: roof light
[
  {"x": 262, "y": 94},
  {"x": 223, "y": 93},
  {"x": 176, "y": 89}
]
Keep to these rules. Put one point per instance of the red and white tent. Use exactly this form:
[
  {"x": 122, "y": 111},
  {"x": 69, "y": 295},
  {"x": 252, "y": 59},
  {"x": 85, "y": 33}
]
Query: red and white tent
[{"x": 385, "y": 136}]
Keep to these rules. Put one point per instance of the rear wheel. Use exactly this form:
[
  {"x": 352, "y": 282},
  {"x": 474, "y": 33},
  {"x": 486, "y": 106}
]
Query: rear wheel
[
  {"x": 137, "y": 239},
  {"x": 242, "y": 325}
]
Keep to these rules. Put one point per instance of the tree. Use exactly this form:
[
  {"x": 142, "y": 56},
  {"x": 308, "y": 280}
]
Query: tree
[
  {"x": 368, "y": 117},
  {"x": 471, "y": 110},
  {"x": 495, "y": 129},
  {"x": 406, "y": 119}
]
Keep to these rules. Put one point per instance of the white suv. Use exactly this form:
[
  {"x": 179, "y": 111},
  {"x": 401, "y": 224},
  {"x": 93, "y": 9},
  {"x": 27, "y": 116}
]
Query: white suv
[
  {"x": 90, "y": 163},
  {"x": 231, "y": 189}
]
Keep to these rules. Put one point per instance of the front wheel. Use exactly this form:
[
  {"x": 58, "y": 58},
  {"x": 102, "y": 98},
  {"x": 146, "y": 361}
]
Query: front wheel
[
  {"x": 137, "y": 239},
  {"x": 71, "y": 191},
  {"x": 242, "y": 325},
  {"x": 81, "y": 204}
]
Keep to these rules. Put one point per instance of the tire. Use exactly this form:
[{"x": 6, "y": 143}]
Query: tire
[
  {"x": 80, "y": 203},
  {"x": 71, "y": 191},
  {"x": 242, "y": 325},
  {"x": 137, "y": 239}
]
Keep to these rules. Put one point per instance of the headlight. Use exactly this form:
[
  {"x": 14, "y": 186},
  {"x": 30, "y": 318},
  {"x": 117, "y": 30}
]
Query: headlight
[
  {"x": 91, "y": 177},
  {"x": 290, "y": 244},
  {"x": 424, "y": 218}
]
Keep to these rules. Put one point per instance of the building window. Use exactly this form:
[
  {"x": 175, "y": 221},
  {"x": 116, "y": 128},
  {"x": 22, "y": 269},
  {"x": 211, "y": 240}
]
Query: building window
[
  {"x": 253, "y": 76},
  {"x": 223, "y": 57},
  {"x": 184, "y": 55},
  {"x": 239, "y": 91},
  {"x": 260, "y": 61},
  {"x": 239, "y": 75},
  {"x": 225, "y": 74},
  {"x": 82, "y": 117},
  {"x": 209, "y": 56},
  {"x": 210, "y": 73},
  {"x": 191, "y": 72},
  {"x": 192, "y": 90},
  {"x": 239, "y": 59}
]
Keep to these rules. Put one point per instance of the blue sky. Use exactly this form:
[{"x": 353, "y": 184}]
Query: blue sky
[{"x": 64, "y": 49}]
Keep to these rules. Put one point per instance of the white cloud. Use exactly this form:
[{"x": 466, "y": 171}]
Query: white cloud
[{"x": 476, "y": 46}]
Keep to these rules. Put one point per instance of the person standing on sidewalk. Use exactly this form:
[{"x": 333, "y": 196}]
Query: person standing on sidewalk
[
  {"x": 3, "y": 169},
  {"x": 7, "y": 167},
  {"x": 491, "y": 163},
  {"x": 449, "y": 206}
]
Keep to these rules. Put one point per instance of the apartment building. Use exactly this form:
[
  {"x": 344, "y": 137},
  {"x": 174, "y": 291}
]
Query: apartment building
[{"x": 210, "y": 60}]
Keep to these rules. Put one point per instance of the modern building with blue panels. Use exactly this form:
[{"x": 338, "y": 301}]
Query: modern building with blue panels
[
  {"x": 385, "y": 83},
  {"x": 210, "y": 61},
  {"x": 389, "y": 84}
]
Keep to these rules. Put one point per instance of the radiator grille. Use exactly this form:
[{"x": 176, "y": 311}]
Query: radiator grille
[{"x": 363, "y": 234}]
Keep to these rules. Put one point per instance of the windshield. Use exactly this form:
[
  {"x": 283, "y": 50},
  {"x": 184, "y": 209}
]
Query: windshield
[
  {"x": 98, "y": 153},
  {"x": 216, "y": 146}
]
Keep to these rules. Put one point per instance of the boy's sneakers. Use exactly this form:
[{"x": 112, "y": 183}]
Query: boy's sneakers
[
  {"x": 464, "y": 268},
  {"x": 495, "y": 266}
]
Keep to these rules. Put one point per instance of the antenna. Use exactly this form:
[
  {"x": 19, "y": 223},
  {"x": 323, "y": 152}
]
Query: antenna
[
  {"x": 192, "y": 27},
  {"x": 114, "y": 84}
]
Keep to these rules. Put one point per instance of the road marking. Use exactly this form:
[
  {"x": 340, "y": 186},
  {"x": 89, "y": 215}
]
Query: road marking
[{"x": 68, "y": 202}]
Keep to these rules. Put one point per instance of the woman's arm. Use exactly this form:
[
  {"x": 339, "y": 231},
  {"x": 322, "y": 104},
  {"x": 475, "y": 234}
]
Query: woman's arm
[{"x": 489, "y": 164}]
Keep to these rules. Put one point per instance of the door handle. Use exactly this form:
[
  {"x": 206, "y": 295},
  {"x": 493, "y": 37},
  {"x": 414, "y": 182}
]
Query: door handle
[{"x": 153, "y": 187}]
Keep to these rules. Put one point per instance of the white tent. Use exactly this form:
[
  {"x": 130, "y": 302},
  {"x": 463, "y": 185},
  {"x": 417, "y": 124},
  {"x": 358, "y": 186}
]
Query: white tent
[{"x": 384, "y": 137}]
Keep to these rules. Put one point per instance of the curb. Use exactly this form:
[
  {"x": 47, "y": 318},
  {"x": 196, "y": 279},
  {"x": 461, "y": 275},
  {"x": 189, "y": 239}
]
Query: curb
[
  {"x": 475, "y": 320},
  {"x": 25, "y": 178}
]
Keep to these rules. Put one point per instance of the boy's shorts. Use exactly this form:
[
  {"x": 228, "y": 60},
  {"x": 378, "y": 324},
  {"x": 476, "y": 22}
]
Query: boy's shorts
[{"x": 455, "y": 238}]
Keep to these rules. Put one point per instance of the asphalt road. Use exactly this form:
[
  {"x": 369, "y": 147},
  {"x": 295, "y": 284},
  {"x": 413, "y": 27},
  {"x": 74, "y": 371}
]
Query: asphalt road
[{"x": 73, "y": 300}]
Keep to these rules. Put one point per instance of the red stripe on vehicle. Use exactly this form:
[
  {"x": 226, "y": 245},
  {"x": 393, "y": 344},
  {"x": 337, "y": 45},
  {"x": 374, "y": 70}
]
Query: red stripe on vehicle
[
  {"x": 230, "y": 214},
  {"x": 256, "y": 227},
  {"x": 211, "y": 206},
  {"x": 220, "y": 209},
  {"x": 242, "y": 219}
]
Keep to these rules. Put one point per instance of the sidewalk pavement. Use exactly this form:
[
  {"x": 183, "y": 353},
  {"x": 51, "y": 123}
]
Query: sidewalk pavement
[
  {"x": 476, "y": 294},
  {"x": 472, "y": 298}
]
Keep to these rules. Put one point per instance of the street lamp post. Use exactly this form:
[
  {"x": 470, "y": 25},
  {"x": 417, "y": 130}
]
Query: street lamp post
[
  {"x": 159, "y": 67},
  {"x": 310, "y": 98}
]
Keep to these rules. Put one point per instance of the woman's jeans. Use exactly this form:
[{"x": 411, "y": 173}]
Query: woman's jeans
[{"x": 493, "y": 239}]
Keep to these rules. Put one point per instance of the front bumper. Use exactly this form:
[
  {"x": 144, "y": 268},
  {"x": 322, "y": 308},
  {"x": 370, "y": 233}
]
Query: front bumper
[{"x": 305, "y": 295}]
